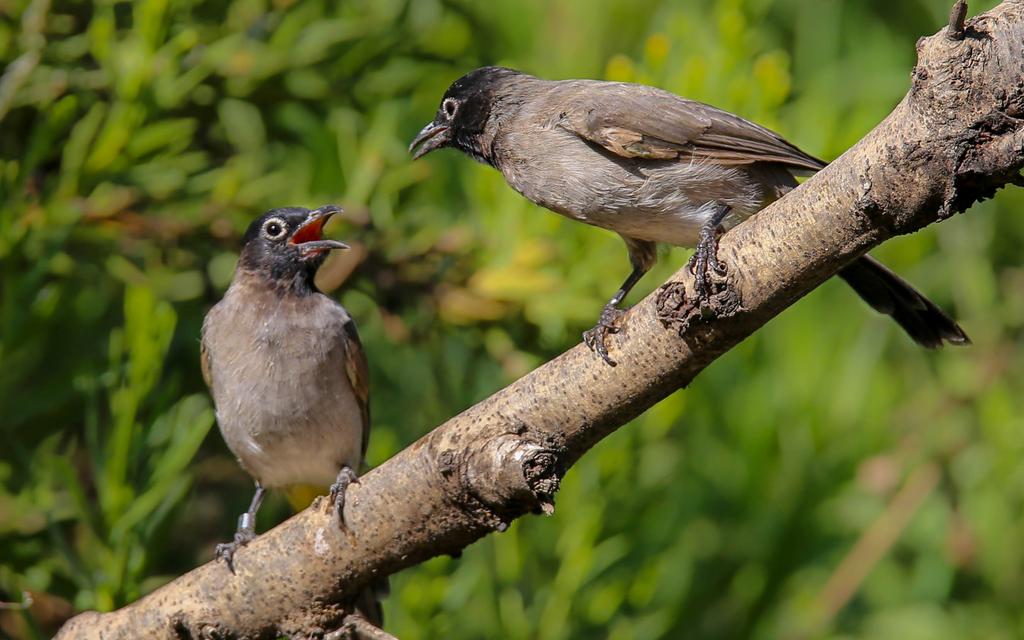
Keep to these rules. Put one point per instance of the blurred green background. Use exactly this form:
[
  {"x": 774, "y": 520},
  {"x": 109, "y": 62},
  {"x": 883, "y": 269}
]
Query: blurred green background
[{"x": 825, "y": 479}]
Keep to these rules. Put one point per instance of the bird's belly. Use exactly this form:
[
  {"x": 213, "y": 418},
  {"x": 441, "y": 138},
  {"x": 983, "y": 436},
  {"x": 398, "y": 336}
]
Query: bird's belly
[
  {"x": 302, "y": 441},
  {"x": 661, "y": 201},
  {"x": 679, "y": 226},
  {"x": 287, "y": 411}
]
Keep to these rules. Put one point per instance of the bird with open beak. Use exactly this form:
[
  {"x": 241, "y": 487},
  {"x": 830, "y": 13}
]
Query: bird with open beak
[
  {"x": 285, "y": 367},
  {"x": 651, "y": 166}
]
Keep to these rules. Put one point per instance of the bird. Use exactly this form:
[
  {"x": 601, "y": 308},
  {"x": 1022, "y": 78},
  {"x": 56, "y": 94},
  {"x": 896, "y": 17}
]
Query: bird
[
  {"x": 651, "y": 166},
  {"x": 286, "y": 369}
]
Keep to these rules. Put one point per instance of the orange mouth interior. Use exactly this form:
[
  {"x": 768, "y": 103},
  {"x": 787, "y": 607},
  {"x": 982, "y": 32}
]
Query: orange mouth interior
[{"x": 310, "y": 232}]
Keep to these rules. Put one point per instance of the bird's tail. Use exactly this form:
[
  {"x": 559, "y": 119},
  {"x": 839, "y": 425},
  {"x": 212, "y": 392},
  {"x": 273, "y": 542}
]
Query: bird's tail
[
  {"x": 890, "y": 294},
  {"x": 369, "y": 602}
]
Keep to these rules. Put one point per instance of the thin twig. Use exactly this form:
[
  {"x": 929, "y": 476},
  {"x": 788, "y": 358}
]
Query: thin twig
[
  {"x": 879, "y": 538},
  {"x": 957, "y": 15},
  {"x": 26, "y": 602}
]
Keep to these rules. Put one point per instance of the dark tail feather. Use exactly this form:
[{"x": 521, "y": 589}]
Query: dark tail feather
[
  {"x": 890, "y": 294},
  {"x": 368, "y": 602}
]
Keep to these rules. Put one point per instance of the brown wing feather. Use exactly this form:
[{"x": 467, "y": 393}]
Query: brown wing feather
[
  {"x": 637, "y": 121},
  {"x": 358, "y": 371},
  {"x": 204, "y": 363}
]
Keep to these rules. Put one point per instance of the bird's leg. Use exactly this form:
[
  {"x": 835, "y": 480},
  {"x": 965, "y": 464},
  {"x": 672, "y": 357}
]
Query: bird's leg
[
  {"x": 246, "y": 530},
  {"x": 705, "y": 258},
  {"x": 610, "y": 316},
  {"x": 345, "y": 477}
]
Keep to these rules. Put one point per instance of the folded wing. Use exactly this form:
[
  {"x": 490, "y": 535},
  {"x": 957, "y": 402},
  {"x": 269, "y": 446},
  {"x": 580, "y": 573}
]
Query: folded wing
[{"x": 636, "y": 121}]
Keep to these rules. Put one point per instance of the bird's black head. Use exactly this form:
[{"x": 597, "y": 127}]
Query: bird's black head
[
  {"x": 287, "y": 246},
  {"x": 463, "y": 114}
]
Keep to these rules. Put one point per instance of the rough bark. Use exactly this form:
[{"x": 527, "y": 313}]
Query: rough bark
[{"x": 956, "y": 137}]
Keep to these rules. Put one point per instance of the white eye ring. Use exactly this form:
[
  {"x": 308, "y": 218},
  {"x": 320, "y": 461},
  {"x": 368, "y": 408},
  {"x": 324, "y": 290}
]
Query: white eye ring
[
  {"x": 274, "y": 229},
  {"x": 450, "y": 106}
]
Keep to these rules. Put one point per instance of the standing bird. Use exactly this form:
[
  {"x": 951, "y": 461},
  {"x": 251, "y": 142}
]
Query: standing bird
[
  {"x": 285, "y": 367},
  {"x": 651, "y": 166}
]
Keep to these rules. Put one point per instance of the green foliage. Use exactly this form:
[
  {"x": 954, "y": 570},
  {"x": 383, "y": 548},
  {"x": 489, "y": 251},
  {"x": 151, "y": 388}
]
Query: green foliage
[{"x": 138, "y": 139}]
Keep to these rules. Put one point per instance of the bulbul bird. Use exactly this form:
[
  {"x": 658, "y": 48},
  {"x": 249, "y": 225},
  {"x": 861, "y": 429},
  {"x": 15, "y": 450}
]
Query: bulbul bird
[
  {"x": 284, "y": 364},
  {"x": 651, "y": 166}
]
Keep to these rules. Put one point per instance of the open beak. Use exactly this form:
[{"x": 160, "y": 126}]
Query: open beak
[
  {"x": 309, "y": 238},
  {"x": 433, "y": 136}
]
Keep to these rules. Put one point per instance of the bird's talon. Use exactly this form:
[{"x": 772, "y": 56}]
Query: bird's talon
[
  {"x": 596, "y": 336},
  {"x": 610, "y": 317},
  {"x": 704, "y": 262},
  {"x": 595, "y": 340},
  {"x": 345, "y": 478},
  {"x": 226, "y": 550}
]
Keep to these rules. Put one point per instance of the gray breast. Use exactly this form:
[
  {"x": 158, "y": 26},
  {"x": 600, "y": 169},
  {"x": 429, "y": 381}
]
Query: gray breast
[{"x": 284, "y": 402}]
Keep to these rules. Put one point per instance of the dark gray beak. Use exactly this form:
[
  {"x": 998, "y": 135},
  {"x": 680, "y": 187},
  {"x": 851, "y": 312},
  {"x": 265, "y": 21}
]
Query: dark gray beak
[
  {"x": 433, "y": 136},
  {"x": 309, "y": 237}
]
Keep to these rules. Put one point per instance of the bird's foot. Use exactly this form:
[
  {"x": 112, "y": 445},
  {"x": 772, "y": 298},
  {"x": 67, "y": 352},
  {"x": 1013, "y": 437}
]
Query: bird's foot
[
  {"x": 345, "y": 477},
  {"x": 226, "y": 550},
  {"x": 608, "y": 323},
  {"x": 704, "y": 262}
]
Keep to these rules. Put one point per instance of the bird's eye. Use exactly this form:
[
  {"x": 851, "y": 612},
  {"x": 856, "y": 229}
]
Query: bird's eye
[
  {"x": 450, "y": 106},
  {"x": 274, "y": 229}
]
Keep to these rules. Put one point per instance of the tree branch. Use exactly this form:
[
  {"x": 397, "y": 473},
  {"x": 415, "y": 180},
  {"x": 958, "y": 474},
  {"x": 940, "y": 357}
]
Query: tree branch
[{"x": 955, "y": 138}]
